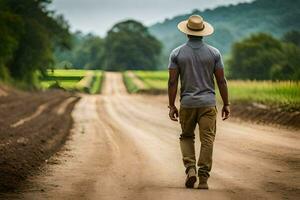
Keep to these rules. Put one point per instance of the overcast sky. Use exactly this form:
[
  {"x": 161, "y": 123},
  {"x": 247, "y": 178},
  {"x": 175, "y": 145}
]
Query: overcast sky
[{"x": 98, "y": 16}]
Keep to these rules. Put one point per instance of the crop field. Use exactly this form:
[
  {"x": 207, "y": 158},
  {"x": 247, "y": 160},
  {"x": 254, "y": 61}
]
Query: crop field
[
  {"x": 88, "y": 81},
  {"x": 153, "y": 81},
  {"x": 279, "y": 93}
]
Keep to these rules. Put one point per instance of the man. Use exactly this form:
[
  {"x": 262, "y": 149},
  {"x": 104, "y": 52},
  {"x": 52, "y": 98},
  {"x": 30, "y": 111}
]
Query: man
[{"x": 197, "y": 63}]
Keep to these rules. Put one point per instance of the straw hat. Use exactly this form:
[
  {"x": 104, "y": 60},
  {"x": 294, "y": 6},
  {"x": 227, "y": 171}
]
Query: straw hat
[{"x": 196, "y": 26}]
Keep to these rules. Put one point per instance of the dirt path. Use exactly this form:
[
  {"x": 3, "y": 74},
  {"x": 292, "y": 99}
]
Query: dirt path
[{"x": 124, "y": 147}]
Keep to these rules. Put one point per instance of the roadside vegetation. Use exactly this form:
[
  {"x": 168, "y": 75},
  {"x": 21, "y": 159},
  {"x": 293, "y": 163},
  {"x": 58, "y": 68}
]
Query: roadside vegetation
[
  {"x": 283, "y": 94},
  {"x": 97, "y": 82},
  {"x": 129, "y": 83},
  {"x": 88, "y": 81}
]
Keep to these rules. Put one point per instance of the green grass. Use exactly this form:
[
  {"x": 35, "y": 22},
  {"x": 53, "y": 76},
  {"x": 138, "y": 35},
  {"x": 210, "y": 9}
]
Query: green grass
[
  {"x": 130, "y": 86},
  {"x": 285, "y": 94},
  {"x": 67, "y": 72},
  {"x": 155, "y": 80},
  {"x": 97, "y": 83},
  {"x": 281, "y": 93},
  {"x": 68, "y": 79}
]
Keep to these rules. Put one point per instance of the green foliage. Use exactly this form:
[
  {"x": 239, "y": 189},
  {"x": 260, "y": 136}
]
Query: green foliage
[
  {"x": 292, "y": 37},
  {"x": 234, "y": 22},
  {"x": 4, "y": 74},
  {"x": 129, "y": 45},
  {"x": 28, "y": 32},
  {"x": 92, "y": 50},
  {"x": 87, "y": 53},
  {"x": 288, "y": 66},
  {"x": 262, "y": 57},
  {"x": 10, "y": 27},
  {"x": 253, "y": 57}
]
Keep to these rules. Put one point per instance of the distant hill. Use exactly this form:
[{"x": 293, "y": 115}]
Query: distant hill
[{"x": 235, "y": 22}]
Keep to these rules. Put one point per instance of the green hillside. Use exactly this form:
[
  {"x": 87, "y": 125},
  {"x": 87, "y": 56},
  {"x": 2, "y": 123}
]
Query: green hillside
[{"x": 235, "y": 22}]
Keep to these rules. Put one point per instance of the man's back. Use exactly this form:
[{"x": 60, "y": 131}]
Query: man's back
[{"x": 196, "y": 62}]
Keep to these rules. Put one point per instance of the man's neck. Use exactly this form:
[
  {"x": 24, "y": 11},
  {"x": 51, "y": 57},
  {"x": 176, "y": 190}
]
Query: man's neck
[{"x": 195, "y": 39}]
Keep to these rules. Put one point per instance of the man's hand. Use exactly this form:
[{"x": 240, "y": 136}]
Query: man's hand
[
  {"x": 173, "y": 113},
  {"x": 222, "y": 85},
  {"x": 225, "y": 112}
]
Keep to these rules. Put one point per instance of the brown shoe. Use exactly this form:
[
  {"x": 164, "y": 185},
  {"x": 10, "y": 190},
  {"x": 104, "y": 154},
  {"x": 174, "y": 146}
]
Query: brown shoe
[
  {"x": 191, "y": 178},
  {"x": 203, "y": 183}
]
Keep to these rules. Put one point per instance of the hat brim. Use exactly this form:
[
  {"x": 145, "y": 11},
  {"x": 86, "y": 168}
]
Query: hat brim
[{"x": 208, "y": 29}]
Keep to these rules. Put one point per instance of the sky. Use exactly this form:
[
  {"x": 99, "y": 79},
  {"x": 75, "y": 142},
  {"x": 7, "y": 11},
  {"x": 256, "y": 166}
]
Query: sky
[{"x": 98, "y": 16}]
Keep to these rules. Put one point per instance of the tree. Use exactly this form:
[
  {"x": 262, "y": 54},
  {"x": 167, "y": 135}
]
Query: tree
[
  {"x": 292, "y": 37},
  {"x": 87, "y": 52},
  {"x": 263, "y": 57},
  {"x": 90, "y": 54},
  {"x": 129, "y": 45},
  {"x": 288, "y": 66},
  {"x": 11, "y": 28},
  {"x": 29, "y": 34},
  {"x": 253, "y": 57}
]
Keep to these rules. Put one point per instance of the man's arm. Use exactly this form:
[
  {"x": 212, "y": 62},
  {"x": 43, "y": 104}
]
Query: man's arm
[
  {"x": 172, "y": 92},
  {"x": 222, "y": 85}
]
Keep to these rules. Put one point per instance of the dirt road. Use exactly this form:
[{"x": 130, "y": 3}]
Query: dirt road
[{"x": 124, "y": 147}]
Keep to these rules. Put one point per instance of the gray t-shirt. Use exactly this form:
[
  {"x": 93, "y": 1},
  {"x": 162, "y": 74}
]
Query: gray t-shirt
[{"x": 196, "y": 62}]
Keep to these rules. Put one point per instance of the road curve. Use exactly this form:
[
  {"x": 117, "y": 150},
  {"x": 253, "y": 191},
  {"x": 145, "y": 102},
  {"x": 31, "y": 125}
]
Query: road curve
[{"x": 125, "y": 147}]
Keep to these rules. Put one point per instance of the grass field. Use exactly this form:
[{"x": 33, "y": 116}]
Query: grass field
[
  {"x": 281, "y": 93},
  {"x": 129, "y": 83},
  {"x": 156, "y": 80},
  {"x": 71, "y": 80}
]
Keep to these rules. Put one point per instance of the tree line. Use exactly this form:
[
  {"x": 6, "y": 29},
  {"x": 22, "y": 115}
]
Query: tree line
[
  {"x": 263, "y": 57},
  {"x": 128, "y": 45},
  {"x": 29, "y": 33}
]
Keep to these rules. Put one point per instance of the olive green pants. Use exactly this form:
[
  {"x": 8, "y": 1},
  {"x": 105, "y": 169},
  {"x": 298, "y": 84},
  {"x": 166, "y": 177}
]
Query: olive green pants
[{"x": 205, "y": 117}]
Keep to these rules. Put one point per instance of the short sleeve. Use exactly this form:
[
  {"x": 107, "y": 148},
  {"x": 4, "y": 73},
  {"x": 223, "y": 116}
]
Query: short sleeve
[
  {"x": 173, "y": 64},
  {"x": 219, "y": 61}
]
